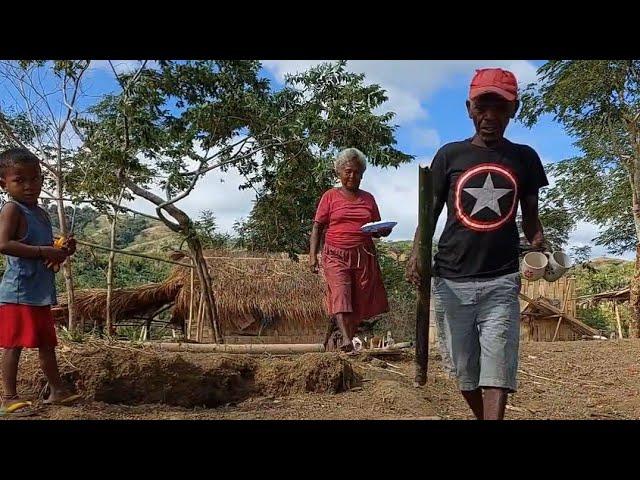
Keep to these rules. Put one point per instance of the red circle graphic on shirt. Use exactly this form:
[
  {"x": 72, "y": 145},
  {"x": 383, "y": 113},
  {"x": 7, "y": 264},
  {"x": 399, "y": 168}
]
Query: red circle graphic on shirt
[{"x": 488, "y": 169}]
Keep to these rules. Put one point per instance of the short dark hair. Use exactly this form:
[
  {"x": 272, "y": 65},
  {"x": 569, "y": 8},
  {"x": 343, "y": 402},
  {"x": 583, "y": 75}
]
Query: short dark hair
[{"x": 16, "y": 156}]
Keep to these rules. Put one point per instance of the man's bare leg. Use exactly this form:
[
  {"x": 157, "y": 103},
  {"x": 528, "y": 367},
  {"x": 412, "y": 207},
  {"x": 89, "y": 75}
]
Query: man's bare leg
[
  {"x": 475, "y": 402},
  {"x": 495, "y": 401}
]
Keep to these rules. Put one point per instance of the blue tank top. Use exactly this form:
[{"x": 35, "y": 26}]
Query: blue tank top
[{"x": 27, "y": 281}]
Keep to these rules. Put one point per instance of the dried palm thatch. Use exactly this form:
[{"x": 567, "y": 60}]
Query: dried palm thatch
[
  {"x": 259, "y": 294},
  {"x": 256, "y": 294},
  {"x": 126, "y": 303}
]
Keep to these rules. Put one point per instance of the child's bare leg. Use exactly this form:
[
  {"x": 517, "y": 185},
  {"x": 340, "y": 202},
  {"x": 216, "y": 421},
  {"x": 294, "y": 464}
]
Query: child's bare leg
[
  {"x": 10, "y": 360},
  {"x": 49, "y": 366}
]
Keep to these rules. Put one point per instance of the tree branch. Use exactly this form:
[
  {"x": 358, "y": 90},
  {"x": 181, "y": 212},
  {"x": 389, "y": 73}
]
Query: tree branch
[
  {"x": 106, "y": 202},
  {"x": 236, "y": 159},
  {"x": 182, "y": 218},
  {"x": 133, "y": 254}
]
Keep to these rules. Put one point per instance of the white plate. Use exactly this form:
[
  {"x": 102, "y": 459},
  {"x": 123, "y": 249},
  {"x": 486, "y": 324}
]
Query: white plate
[{"x": 374, "y": 227}]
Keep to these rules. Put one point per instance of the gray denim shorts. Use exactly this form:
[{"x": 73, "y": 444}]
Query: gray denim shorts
[{"x": 481, "y": 328}]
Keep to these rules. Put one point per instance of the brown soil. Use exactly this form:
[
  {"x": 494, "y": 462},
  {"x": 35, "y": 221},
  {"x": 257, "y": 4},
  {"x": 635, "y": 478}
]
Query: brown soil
[{"x": 561, "y": 380}]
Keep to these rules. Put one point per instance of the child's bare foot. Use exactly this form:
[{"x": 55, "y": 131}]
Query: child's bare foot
[{"x": 15, "y": 406}]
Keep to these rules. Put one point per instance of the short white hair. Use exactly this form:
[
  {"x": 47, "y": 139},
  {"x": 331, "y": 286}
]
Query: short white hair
[{"x": 350, "y": 155}]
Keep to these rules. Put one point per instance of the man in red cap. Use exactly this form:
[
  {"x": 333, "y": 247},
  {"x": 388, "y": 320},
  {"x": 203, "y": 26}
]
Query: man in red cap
[{"x": 476, "y": 277}]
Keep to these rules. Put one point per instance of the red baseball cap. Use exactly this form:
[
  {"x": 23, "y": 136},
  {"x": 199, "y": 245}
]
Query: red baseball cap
[{"x": 494, "y": 80}]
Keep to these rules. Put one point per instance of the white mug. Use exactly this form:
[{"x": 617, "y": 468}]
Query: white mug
[
  {"x": 559, "y": 263},
  {"x": 534, "y": 265}
]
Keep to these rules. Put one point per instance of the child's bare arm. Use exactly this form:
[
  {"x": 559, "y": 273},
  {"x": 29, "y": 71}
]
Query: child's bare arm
[{"x": 9, "y": 222}]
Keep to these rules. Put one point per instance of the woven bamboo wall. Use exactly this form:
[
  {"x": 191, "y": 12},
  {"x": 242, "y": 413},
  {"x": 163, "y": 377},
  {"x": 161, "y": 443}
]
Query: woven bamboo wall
[
  {"x": 543, "y": 329},
  {"x": 562, "y": 294},
  {"x": 559, "y": 292}
]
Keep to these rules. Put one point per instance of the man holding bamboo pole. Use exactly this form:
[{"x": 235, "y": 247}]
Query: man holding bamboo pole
[{"x": 476, "y": 270}]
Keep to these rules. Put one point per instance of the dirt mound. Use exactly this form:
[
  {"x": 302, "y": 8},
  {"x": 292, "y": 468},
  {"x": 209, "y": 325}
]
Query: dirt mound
[
  {"x": 118, "y": 375},
  {"x": 312, "y": 372}
]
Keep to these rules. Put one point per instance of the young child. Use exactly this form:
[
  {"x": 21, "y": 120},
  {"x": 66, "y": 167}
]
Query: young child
[{"x": 27, "y": 290}]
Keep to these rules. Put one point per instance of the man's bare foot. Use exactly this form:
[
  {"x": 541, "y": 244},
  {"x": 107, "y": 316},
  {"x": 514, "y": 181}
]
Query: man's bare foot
[{"x": 61, "y": 397}]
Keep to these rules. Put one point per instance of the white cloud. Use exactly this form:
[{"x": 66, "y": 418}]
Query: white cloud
[
  {"x": 396, "y": 192},
  {"x": 424, "y": 137},
  {"x": 121, "y": 66},
  {"x": 409, "y": 83},
  {"x": 584, "y": 235},
  {"x": 218, "y": 192},
  {"x": 280, "y": 68}
]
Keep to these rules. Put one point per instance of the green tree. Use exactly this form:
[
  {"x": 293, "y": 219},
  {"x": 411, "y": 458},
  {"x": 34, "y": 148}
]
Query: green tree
[
  {"x": 330, "y": 109},
  {"x": 176, "y": 121},
  {"x": 598, "y": 103},
  {"x": 207, "y": 230}
]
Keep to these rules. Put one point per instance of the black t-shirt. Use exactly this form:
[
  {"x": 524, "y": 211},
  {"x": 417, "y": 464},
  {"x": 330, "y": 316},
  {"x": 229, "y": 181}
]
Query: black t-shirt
[{"x": 482, "y": 188}]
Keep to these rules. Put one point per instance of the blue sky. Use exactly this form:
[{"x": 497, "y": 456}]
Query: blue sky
[{"x": 428, "y": 98}]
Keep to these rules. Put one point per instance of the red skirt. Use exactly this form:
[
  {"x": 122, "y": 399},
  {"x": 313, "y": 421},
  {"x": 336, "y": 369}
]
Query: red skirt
[
  {"x": 354, "y": 282},
  {"x": 26, "y": 326}
]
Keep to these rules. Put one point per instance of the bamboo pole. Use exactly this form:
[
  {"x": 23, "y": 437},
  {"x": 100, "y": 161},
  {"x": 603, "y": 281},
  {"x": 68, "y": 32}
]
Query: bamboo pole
[
  {"x": 555, "y": 334},
  {"x": 618, "y": 321},
  {"x": 191, "y": 294},
  {"x": 273, "y": 348},
  {"x": 199, "y": 318},
  {"x": 425, "y": 234}
]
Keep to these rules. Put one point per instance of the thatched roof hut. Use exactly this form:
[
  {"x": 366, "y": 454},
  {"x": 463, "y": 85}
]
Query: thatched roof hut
[
  {"x": 256, "y": 294},
  {"x": 622, "y": 295},
  {"x": 265, "y": 294},
  {"x": 126, "y": 303}
]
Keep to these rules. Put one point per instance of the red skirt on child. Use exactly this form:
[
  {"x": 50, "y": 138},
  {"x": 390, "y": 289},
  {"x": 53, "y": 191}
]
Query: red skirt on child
[{"x": 26, "y": 326}]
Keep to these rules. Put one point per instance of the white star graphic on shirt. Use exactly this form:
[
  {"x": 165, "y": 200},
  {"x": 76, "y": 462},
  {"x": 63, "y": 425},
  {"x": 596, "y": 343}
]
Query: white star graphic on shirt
[{"x": 487, "y": 196}]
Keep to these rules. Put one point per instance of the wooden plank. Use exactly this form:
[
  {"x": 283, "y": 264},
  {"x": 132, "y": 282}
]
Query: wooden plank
[
  {"x": 542, "y": 305},
  {"x": 273, "y": 339},
  {"x": 282, "y": 349}
]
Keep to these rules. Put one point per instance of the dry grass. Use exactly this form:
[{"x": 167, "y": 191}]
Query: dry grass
[
  {"x": 254, "y": 294},
  {"x": 90, "y": 304},
  {"x": 283, "y": 294}
]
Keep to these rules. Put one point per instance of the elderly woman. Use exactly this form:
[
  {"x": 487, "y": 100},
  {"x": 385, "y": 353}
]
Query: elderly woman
[{"x": 351, "y": 270}]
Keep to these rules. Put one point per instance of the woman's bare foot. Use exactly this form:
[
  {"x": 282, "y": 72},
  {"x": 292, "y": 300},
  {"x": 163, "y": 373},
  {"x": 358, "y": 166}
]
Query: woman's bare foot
[{"x": 346, "y": 346}]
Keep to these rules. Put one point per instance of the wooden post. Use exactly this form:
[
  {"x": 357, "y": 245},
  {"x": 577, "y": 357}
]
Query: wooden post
[
  {"x": 555, "y": 334},
  {"x": 200, "y": 317},
  {"x": 425, "y": 234},
  {"x": 618, "y": 321},
  {"x": 191, "y": 293},
  {"x": 565, "y": 303}
]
